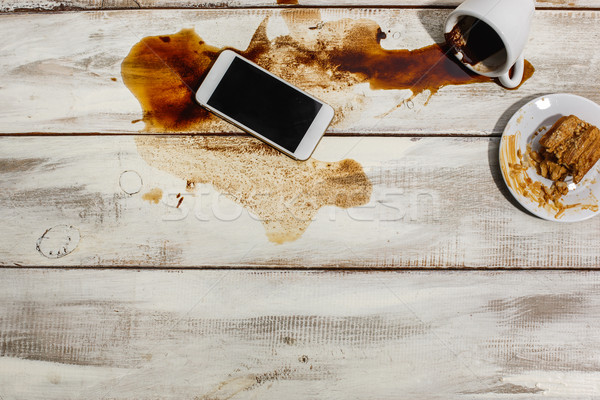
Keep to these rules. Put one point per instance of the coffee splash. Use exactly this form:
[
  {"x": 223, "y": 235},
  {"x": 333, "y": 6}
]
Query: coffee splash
[
  {"x": 153, "y": 196},
  {"x": 328, "y": 58},
  {"x": 285, "y": 194}
]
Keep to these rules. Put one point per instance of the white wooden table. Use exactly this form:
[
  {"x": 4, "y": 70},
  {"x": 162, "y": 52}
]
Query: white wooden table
[{"x": 144, "y": 262}]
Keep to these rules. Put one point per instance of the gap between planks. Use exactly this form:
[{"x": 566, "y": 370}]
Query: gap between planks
[
  {"x": 259, "y": 7},
  {"x": 267, "y": 269},
  {"x": 233, "y": 134}
]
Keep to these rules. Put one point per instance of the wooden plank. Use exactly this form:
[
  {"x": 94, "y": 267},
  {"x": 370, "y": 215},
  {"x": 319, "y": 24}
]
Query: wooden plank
[
  {"x": 60, "y": 5},
  {"x": 414, "y": 202},
  {"x": 239, "y": 334},
  {"x": 67, "y": 77}
]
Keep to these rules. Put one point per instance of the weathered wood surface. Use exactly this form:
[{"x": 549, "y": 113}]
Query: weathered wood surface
[
  {"x": 298, "y": 335},
  {"x": 435, "y": 202},
  {"x": 58, "y": 79},
  {"x": 58, "y": 5}
]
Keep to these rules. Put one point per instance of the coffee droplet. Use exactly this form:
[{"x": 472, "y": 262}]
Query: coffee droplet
[
  {"x": 164, "y": 72},
  {"x": 153, "y": 196},
  {"x": 285, "y": 194}
]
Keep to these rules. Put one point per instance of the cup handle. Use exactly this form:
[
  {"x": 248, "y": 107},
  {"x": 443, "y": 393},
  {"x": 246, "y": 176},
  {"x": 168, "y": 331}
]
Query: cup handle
[{"x": 512, "y": 82}]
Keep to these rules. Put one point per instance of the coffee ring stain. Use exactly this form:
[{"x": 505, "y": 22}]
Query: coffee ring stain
[
  {"x": 130, "y": 182},
  {"x": 58, "y": 241}
]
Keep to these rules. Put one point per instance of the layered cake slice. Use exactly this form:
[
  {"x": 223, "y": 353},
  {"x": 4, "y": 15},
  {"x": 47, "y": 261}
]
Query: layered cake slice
[{"x": 570, "y": 147}]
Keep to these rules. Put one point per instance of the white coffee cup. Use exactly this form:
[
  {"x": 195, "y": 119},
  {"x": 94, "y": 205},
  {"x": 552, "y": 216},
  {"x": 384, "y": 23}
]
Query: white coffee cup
[{"x": 511, "y": 20}]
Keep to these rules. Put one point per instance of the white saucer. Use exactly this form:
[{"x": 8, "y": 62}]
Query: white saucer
[{"x": 521, "y": 130}]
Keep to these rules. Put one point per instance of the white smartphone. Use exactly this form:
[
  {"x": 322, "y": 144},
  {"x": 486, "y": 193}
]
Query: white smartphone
[{"x": 264, "y": 105}]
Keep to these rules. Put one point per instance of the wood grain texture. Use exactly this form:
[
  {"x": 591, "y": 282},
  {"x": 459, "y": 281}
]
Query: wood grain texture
[
  {"x": 59, "y": 5},
  {"x": 244, "y": 335},
  {"x": 66, "y": 76},
  {"x": 435, "y": 202},
  {"x": 127, "y": 200}
]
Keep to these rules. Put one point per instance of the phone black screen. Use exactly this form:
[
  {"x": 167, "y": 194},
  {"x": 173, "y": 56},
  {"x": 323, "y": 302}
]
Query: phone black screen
[{"x": 264, "y": 104}]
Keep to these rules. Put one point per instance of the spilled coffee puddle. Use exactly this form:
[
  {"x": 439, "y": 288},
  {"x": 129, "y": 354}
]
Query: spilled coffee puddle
[
  {"x": 324, "y": 58},
  {"x": 285, "y": 194},
  {"x": 424, "y": 69},
  {"x": 163, "y": 72}
]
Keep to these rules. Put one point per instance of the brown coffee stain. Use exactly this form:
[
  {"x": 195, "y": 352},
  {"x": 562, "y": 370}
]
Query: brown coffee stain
[
  {"x": 528, "y": 71},
  {"x": 426, "y": 69},
  {"x": 285, "y": 194},
  {"x": 287, "y": 2},
  {"x": 153, "y": 196},
  {"x": 163, "y": 72}
]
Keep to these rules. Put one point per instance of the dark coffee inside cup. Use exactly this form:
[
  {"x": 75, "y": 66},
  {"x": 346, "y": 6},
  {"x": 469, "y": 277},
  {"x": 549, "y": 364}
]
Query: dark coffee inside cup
[{"x": 477, "y": 44}]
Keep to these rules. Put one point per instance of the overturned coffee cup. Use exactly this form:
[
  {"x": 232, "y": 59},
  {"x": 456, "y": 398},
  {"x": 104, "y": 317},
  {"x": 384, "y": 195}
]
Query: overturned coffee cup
[{"x": 489, "y": 36}]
